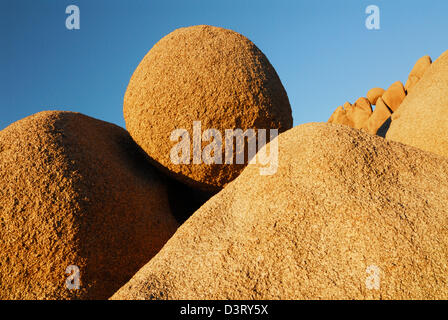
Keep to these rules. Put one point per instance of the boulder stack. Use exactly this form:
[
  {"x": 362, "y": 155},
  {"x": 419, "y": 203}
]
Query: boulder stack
[{"x": 386, "y": 101}]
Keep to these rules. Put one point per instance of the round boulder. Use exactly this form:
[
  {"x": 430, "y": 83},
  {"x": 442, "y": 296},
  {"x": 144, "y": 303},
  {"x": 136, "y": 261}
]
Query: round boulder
[
  {"x": 394, "y": 95},
  {"x": 199, "y": 78},
  {"x": 373, "y": 95}
]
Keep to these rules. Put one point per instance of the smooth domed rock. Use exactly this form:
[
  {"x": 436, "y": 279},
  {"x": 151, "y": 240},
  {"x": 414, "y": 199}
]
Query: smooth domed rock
[
  {"x": 206, "y": 74},
  {"x": 378, "y": 117},
  {"x": 373, "y": 95},
  {"x": 344, "y": 209},
  {"x": 394, "y": 95},
  {"x": 417, "y": 72},
  {"x": 75, "y": 191},
  {"x": 360, "y": 113},
  {"x": 422, "y": 120}
]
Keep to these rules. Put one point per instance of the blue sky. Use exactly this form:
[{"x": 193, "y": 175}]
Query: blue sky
[{"x": 321, "y": 49}]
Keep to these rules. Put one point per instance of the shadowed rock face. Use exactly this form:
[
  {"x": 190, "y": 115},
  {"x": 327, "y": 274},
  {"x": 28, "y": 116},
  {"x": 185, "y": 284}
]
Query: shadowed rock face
[
  {"x": 206, "y": 74},
  {"x": 341, "y": 203},
  {"x": 422, "y": 119},
  {"x": 75, "y": 191},
  {"x": 378, "y": 118},
  {"x": 183, "y": 199},
  {"x": 382, "y": 131}
]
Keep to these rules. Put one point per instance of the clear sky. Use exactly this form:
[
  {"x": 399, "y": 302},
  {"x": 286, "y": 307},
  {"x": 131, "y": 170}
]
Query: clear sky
[{"x": 321, "y": 49}]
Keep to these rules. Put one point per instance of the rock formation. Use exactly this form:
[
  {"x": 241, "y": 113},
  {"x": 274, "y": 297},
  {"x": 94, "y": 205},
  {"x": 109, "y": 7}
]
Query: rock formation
[
  {"x": 417, "y": 72},
  {"x": 340, "y": 116},
  {"x": 394, "y": 96},
  {"x": 378, "y": 117},
  {"x": 373, "y": 95},
  {"x": 422, "y": 120},
  {"x": 348, "y": 215},
  {"x": 360, "y": 113},
  {"x": 206, "y": 74},
  {"x": 390, "y": 101},
  {"x": 75, "y": 191}
]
